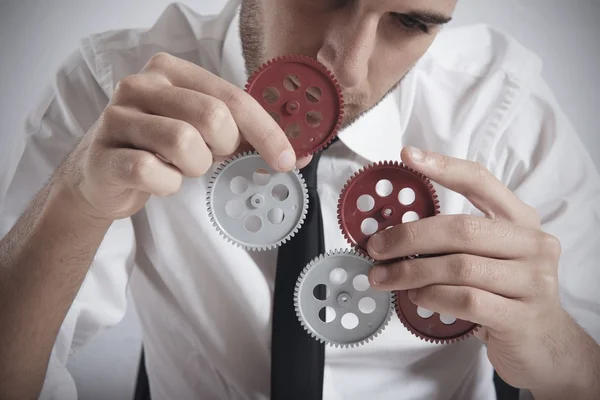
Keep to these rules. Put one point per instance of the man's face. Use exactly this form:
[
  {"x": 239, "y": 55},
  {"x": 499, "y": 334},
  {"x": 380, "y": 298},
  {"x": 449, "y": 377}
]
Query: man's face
[{"x": 369, "y": 45}]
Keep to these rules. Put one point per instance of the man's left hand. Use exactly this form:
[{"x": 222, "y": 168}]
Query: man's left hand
[{"x": 499, "y": 270}]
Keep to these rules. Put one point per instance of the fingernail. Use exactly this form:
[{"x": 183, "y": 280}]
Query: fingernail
[
  {"x": 286, "y": 160},
  {"x": 416, "y": 154},
  {"x": 378, "y": 242},
  {"x": 380, "y": 275}
]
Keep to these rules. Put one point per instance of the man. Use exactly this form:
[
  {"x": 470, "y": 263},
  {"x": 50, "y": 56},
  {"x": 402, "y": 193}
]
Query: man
[{"x": 519, "y": 199}]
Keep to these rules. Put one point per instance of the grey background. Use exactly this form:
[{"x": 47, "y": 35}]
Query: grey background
[{"x": 36, "y": 35}]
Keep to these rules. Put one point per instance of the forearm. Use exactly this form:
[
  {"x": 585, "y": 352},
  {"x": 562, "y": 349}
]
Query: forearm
[
  {"x": 43, "y": 261},
  {"x": 577, "y": 376}
]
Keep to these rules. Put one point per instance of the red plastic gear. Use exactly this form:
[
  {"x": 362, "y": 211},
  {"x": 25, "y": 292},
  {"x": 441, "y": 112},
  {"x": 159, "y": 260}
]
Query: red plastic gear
[
  {"x": 387, "y": 210},
  {"x": 430, "y": 329},
  {"x": 303, "y": 96}
]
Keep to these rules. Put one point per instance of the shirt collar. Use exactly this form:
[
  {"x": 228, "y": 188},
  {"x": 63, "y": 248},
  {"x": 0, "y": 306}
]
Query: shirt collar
[{"x": 375, "y": 136}]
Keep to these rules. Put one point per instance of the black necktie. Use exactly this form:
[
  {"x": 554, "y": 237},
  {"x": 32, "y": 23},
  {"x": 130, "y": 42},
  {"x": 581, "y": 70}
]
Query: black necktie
[{"x": 296, "y": 358}]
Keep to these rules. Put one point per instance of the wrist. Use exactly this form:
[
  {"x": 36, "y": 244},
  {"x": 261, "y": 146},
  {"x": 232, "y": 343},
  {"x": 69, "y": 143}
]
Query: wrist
[
  {"x": 579, "y": 375},
  {"x": 64, "y": 199}
]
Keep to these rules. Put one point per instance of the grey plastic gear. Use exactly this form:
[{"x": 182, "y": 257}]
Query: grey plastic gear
[
  {"x": 344, "y": 273},
  {"x": 254, "y": 206}
]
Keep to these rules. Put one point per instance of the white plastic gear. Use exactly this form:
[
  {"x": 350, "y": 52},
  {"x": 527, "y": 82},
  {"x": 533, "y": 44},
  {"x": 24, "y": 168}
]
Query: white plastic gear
[
  {"x": 360, "y": 335},
  {"x": 233, "y": 228}
]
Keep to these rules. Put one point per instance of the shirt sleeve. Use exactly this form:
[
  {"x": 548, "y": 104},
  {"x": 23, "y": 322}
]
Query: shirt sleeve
[
  {"x": 68, "y": 107},
  {"x": 542, "y": 159}
]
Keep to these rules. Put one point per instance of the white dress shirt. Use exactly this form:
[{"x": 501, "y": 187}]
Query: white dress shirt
[{"x": 205, "y": 305}]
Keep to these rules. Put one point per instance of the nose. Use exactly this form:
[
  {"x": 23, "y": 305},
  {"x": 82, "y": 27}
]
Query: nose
[{"x": 347, "y": 49}]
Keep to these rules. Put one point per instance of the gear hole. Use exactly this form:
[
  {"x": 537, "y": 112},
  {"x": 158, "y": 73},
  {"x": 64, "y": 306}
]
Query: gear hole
[
  {"x": 271, "y": 95},
  {"x": 369, "y": 226},
  {"x": 366, "y": 305},
  {"x": 291, "y": 82},
  {"x": 384, "y": 188},
  {"x": 275, "y": 116},
  {"x": 406, "y": 196},
  {"x": 410, "y": 216},
  {"x": 338, "y": 276},
  {"x": 424, "y": 313},
  {"x": 313, "y": 94},
  {"x": 261, "y": 177},
  {"x": 361, "y": 282},
  {"x": 447, "y": 319},
  {"x": 280, "y": 192},
  {"x": 234, "y": 208},
  {"x": 314, "y": 119},
  {"x": 349, "y": 321},
  {"x": 275, "y": 216},
  {"x": 321, "y": 292},
  {"x": 327, "y": 314},
  {"x": 253, "y": 223},
  {"x": 292, "y": 131},
  {"x": 365, "y": 203},
  {"x": 238, "y": 185}
]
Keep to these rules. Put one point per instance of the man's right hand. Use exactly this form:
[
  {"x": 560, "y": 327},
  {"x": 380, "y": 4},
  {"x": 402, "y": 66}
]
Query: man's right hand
[{"x": 171, "y": 120}]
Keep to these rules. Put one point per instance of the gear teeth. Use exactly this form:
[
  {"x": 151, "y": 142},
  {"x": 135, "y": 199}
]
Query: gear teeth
[
  {"x": 211, "y": 184},
  {"x": 365, "y": 170},
  {"x": 314, "y": 334},
  {"x": 327, "y": 72},
  {"x": 428, "y": 339}
]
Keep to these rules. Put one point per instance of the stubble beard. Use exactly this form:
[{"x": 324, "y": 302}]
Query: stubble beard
[{"x": 254, "y": 53}]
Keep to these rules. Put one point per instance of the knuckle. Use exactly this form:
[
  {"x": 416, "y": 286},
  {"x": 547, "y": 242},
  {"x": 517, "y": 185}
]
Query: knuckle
[
  {"x": 442, "y": 162},
  {"x": 141, "y": 166},
  {"x": 480, "y": 171},
  {"x": 127, "y": 88},
  {"x": 534, "y": 216},
  {"x": 409, "y": 271},
  {"x": 467, "y": 228},
  {"x": 235, "y": 99},
  {"x": 160, "y": 62},
  {"x": 471, "y": 302},
  {"x": 182, "y": 137},
  {"x": 205, "y": 163},
  {"x": 112, "y": 118},
  {"x": 549, "y": 246},
  {"x": 544, "y": 283},
  {"x": 214, "y": 115},
  {"x": 462, "y": 268},
  {"x": 410, "y": 236}
]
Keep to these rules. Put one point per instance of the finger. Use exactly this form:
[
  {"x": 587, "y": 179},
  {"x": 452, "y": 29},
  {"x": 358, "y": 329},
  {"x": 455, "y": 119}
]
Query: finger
[
  {"x": 174, "y": 140},
  {"x": 253, "y": 121},
  {"x": 469, "y": 304},
  {"x": 303, "y": 161},
  {"x": 139, "y": 170},
  {"x": 445, "y": 234},
  {"x": 475, "y": 182},
  {"x": 502, "y": 277},
  {"x": 152, "y": 93}
]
